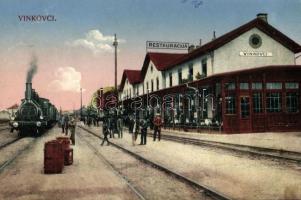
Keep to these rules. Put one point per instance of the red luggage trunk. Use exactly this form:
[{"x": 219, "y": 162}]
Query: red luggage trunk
[
  {"x": 68, "y": 156},
  {"x": 65, "y": 141},
  {"x": 53, "y": 157}
]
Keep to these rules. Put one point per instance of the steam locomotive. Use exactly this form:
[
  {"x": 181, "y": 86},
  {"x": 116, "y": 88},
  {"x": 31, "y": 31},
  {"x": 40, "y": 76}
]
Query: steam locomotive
[{"x": 34, "y": 115}]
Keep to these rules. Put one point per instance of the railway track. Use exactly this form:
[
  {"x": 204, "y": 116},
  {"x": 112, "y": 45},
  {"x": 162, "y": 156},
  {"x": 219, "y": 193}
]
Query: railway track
[
  {"x": 206, "y": 190},
  {"x": 133, "y": 188},
  {"x": 2, "y": 128},
  {"x": 16, "y": 155},
  {"x": 9, "y": 143},
  {"x": 246, "y": 149}
]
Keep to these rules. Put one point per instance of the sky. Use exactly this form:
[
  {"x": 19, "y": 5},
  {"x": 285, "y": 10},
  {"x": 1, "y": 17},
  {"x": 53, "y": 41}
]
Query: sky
[{"x": 76, "y": 50}]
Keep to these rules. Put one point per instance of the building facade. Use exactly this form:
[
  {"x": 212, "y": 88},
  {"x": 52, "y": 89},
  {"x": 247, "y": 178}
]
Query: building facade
[{"x": 243, "y": 81}]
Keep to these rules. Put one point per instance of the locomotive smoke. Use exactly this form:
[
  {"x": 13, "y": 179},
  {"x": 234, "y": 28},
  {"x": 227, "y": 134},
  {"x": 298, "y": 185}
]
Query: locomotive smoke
[{"x": 32, "y": 70}]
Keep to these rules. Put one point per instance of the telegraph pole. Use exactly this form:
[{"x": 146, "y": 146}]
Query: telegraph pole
[
  {"x": 115, "y": 44},
  {"x": 81, "y": 103}
]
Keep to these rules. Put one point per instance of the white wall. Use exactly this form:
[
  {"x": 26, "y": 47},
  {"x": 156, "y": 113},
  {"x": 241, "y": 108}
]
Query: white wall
[
  {"x": 227, "y": 57},
  {"x": 152, "y": 75},
  {"x": 197, "y": 67},
  {"x": 126, "y": 90}
]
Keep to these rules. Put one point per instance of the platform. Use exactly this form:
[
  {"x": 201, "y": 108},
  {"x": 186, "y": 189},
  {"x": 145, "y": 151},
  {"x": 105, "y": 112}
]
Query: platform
[
  {"x": 237, "y": 176},
  {"x": 87, "y": 178},
  {"x": 290, "y": 141}
]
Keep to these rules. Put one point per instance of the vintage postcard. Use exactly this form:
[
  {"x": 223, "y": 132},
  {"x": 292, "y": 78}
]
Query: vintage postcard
[{"x": 150, "y": 99}]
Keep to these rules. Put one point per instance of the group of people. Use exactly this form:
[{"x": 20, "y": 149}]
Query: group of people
[
  {"x": 91, "y": 120},
  {"x": 111, "y": 127},
  {"x": 68, "y": 123},
  {"x": 139, "y": 126}
]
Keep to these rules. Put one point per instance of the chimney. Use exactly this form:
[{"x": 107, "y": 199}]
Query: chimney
[
  {"x": 214, "y": 36},
  {"x": 200, "y": 42},
  {"x": 263, "y": 16},
  {"x": 190, "y": 48},
  {"x": 28, "y": 91}
]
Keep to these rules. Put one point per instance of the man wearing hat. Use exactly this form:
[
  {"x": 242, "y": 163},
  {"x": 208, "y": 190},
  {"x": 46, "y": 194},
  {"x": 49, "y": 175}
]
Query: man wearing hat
[
  {"x": 105, "y": 133},
  {"x": 157, "y": 126},
  {"x": 143, "y": 131},
  {"x": 72, "y": 126}
]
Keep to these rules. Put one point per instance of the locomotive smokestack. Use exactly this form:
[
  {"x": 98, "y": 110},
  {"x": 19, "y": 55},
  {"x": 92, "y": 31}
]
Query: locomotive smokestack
[
  {"x": 32, "y": 69},
  {"x": 28, "y": 91},
  {"x": 30, "y": 73}
]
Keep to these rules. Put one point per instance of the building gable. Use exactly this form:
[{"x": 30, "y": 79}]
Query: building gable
[
  {"x": 250, "y": 49},
  {"x": 224, "y": 39}
]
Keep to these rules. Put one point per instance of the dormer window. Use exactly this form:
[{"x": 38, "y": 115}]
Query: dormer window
[{"x": 151, "y": 68}]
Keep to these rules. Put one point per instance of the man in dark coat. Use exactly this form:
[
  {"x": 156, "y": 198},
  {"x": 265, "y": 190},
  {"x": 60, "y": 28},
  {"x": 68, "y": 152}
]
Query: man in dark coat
[
  {"x": 72, "y": 126},
  {"x": 120, "y": 126},
  {"x": 143, "y": 131},
  {"x": 66, "y": 124},
  {"x": 157, "y": 126},
  {"x": 105, "y": 133}
]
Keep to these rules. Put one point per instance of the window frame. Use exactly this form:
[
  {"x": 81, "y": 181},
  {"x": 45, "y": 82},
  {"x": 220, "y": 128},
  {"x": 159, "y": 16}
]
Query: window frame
[
  {"x": 255, "y": 108},
  {"x": 152, "y": 85},
  {"x": 275, "y": 82},
  {"x": 180, "y": 76},
  {"x": 297, "y": 101},
  {"x": 232, "y": 109},
  {"x": 255, "y": 84},
  {"x": 241, "y": 84},
  {"x": 204, "y": 67},
  {"x": 271, "y": 101},
  {"x": 170, "y": 79},
  {"x": 227, "y": 88},
  {"x": 190, "y": 72},
  {"x": 248, "y": 106}
]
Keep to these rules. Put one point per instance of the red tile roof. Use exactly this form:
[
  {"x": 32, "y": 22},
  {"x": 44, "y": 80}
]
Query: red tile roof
[
  {"x": 133, "y": 76},
  {"x": 160, "y": 60}
]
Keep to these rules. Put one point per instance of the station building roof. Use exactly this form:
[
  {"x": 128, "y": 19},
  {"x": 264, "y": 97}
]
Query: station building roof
[
  {"x": 160, "y": 60},
  {"x": 133, "y": 76},
  {"x": 165, "y": 61},
  {"x": 224, "y": 39}
]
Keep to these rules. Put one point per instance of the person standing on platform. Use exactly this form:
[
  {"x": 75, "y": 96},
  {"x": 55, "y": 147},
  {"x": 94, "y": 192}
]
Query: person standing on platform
[
  {"x": 134, "y": 132},
  {"x": 66, "y": 124},
  {"x": 143, "y": 131},
  {"x": 109, "y": 126},
  {"x": 131, "y": 124},
  {"x": 63, "y": 123},
  {"x": 157, "y": 126},
  {"x": 72, "y": 126},
  {"x": 105, "y": 133},
  {"x": 120, "y": 126},
  {"x": 137, "y": 129}
]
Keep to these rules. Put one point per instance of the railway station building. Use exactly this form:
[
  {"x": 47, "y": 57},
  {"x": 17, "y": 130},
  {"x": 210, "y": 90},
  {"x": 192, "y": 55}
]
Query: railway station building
[{"x": 246, "y": 80}]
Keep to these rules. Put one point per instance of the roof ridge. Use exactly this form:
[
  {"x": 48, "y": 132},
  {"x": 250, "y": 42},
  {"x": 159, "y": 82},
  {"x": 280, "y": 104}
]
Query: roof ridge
[{"x": 231, "y": 35}]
